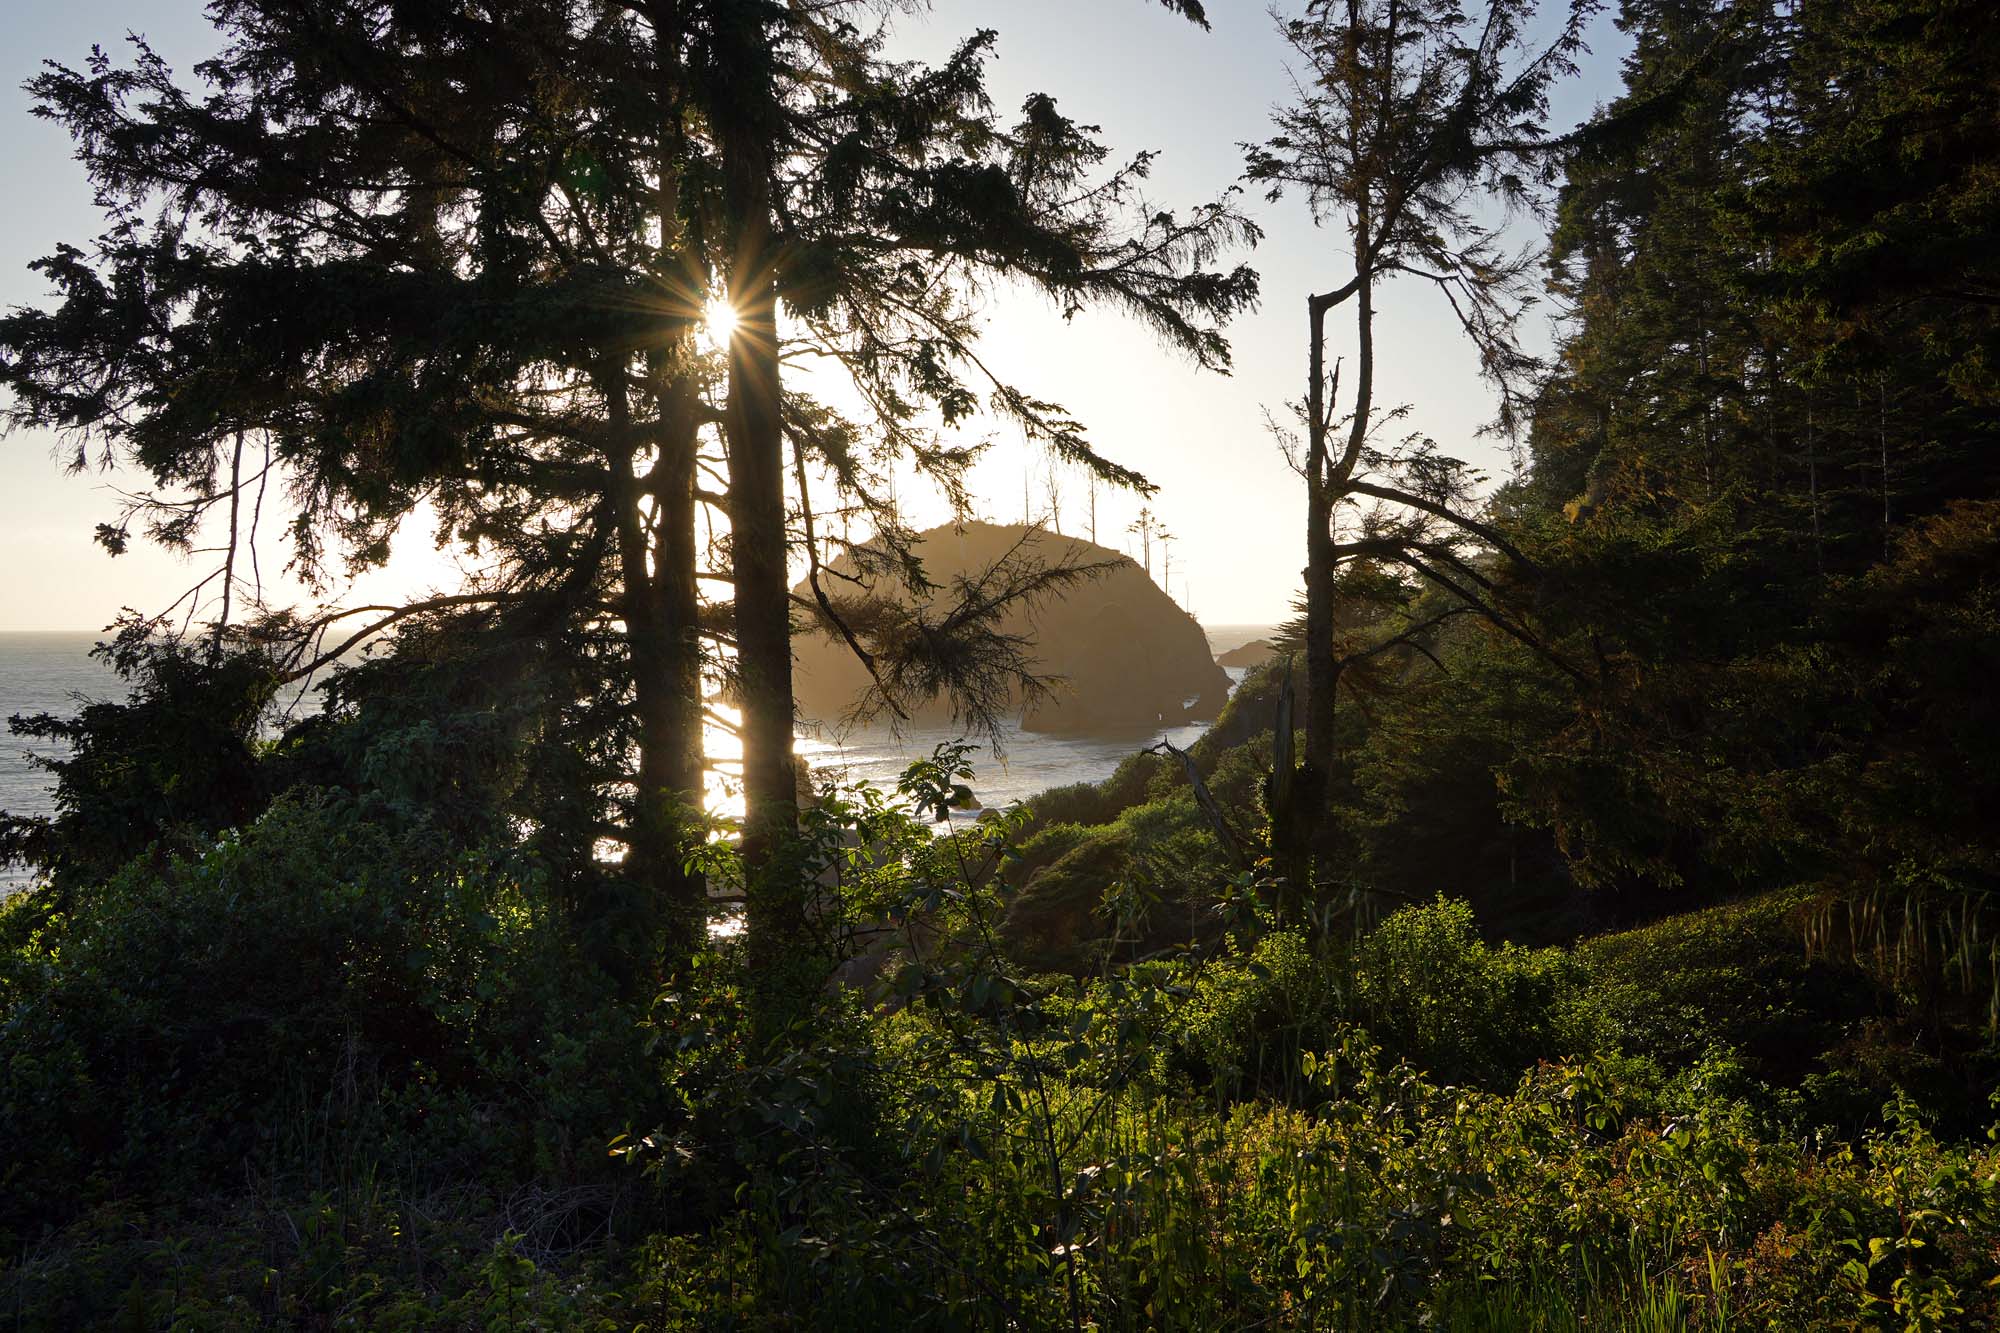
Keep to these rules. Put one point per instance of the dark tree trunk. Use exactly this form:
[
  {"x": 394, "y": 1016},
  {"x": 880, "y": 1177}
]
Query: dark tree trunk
[
  {"x": 776, "y": 901},
  {"x": 669, "y": 677},
  {"x": 675, "y": 757},
  {"x": 668, "y": 708},
  {"x": 1307, "y": 790},
  {"x": 1307, "y": 841}
]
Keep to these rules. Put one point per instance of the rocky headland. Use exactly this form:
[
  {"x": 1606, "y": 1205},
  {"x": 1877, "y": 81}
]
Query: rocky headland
[
  {"x": 1252, "y": 654},
  {"x": 1128, "y": 657}
]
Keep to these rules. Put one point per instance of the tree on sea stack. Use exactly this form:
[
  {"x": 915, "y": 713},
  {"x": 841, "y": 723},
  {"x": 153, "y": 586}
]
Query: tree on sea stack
[
  {"x": 397, "y": 255},
  {"x": 1412, "y": 119}
]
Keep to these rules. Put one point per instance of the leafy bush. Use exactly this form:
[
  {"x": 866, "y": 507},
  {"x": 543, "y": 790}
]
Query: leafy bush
[
  {"x": 1052, "y": 1191},
  {"x": 1271, "y": 1130},
  {"x": 1085, "y": 803},
  {"x": 1046, "y": 845},
  {"x": 1737, "y": 975},
  {"x": 1251, "y": 1019},
  {"x": 1436, "y": 994},
  {"x": 174, "y": 764},
  {"x": 310, "y": 985}
]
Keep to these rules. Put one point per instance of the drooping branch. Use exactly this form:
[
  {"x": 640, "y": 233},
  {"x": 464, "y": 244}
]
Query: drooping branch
[
  {"x": 1494, "y": 616},
  {"x": 316, "y": 628},
  {"x": 1411, "y": 638},
  {"x": 1486, "y": 532},
  {"x": 824, "y": 604}
]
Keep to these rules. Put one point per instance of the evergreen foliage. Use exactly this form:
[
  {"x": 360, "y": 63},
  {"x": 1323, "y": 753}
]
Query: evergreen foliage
[{"x": 388, "y": 256}]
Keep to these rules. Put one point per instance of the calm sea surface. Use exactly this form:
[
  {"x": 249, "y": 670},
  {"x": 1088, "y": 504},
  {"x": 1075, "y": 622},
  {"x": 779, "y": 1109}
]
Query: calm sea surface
[
  {"x": 53, "y": 672},
  {"x": 41, "y": 673}
]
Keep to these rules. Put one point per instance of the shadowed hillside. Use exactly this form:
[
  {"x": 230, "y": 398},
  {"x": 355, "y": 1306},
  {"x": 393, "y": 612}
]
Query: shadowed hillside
[{"x": 1130, "y": 659}]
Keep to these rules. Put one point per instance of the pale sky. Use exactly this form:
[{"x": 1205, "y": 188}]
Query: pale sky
[{"x": 1152, "y": 81}]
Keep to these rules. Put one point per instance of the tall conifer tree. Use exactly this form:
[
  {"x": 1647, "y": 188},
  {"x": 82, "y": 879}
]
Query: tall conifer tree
[
  {"x": 1413, "y": 121},
  {"x": 462, "y": 257}
]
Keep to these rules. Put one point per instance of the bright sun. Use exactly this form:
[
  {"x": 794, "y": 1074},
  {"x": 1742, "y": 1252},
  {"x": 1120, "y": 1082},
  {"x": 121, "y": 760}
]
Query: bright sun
[{"x": 720, "y": 317}]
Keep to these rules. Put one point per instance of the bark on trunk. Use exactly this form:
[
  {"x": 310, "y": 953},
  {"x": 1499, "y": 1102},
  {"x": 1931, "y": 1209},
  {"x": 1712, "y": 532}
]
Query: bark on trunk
[
  {"x": 1307, "y": 842},
  {"x": 776, "y": 904},
  {"x": 679, "y": 763},
  {"x": 1307, "y": 788},
  {"x": 668, "y": 707},
  {"x": 673, "y": 759}
]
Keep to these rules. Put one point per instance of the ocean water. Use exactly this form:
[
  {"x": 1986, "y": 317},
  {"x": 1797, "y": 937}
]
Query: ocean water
[
  {"x": 42, "y": 673},
  {"x": 1025, "y": 763},
  {"x": 1022, "y": 764},
  {"x": 54, "y": 673}
]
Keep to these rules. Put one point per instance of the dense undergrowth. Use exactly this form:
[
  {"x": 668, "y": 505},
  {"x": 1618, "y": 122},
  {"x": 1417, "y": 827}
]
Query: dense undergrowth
[{"x": 331, "y": 1073}]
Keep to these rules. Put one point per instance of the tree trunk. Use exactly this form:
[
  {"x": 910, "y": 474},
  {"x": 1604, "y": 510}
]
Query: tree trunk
[
  {"x": 1309, "y": 838},
  {"x": 668, "y": 711},
  {"x": 775, "y": 900},
  {"x": 679, "y": 763},
  {"x": 673, "y": 757},
  {"x": 1301, "y": 821}
]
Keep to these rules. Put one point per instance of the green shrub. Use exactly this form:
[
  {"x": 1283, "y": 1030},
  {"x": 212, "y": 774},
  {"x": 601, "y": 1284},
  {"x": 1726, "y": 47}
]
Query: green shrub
[
  {"x": 314, "y": 983},
  {"x": 1592, "y": 1194},
  {"x": 420, "y": 1265},
  {"x": 1085, "y": 803},
  {"x": 391, "y": 1033},
  {"x": 1816, "y": 1028},
  {"x": 1436, "y": 994},
  {"x": 1250, "y": 1019},
  {"x": 172, "y": 765},
  {"x": 1736, "y": 974},
  {"x": 1238, "y": 778}
]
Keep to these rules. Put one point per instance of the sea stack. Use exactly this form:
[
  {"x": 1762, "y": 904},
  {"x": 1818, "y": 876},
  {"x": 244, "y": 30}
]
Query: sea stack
[
  {"x": 1130, "y": 659},
  {"x": 1252, "y": 654}
]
